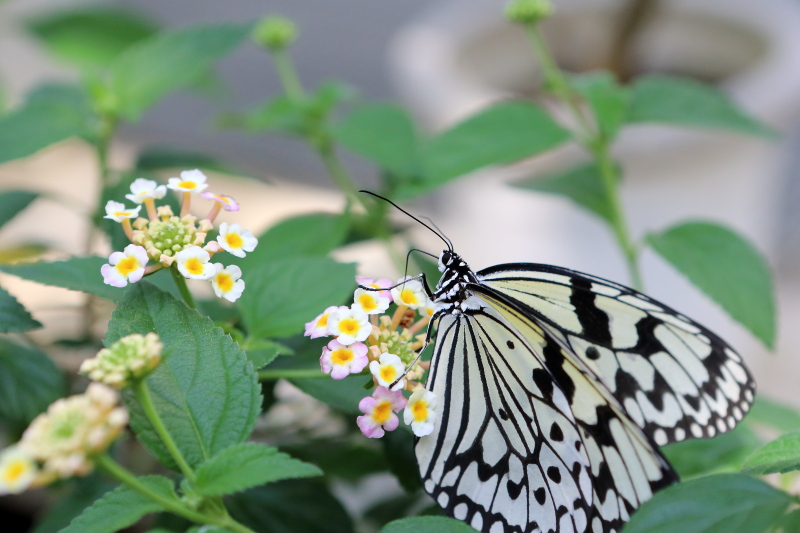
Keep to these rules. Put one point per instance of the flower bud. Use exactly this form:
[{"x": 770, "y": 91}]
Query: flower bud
[
  {"x": 529, "y": 11},
  {"x": 275, "y": 33},
  {"x": 129, "y": 359}
]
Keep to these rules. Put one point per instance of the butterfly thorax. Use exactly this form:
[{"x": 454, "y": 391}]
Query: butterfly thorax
[{"x": 451, "y": 291}]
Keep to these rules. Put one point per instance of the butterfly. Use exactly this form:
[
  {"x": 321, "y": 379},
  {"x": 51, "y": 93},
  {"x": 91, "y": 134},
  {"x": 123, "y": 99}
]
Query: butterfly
[{"x": 555, "y": 389}]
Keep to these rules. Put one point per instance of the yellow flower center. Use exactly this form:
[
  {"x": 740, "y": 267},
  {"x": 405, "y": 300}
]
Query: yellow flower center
[
  {"x": 367, "y": 302},
  {"x": 14, "y": 471},
  {"x": 408, "y": 297},
  {"x": 194, "y": 266},
  {"x": 323, "y": 321},
  {"x": 348, "y": 326},
  {"x": 382, "y": 412},
  {"x": 388, "y": 373},
  {"x": 187, "y": 185},
  {"x": 342, "y": 356},
  {"x": 120, "y": 213},
  {"x": 420, "y": 411},
  {"x": 224, "y": 282},
  {"x": 127, "y": 266},
  {"x": 234, "y": 240}
]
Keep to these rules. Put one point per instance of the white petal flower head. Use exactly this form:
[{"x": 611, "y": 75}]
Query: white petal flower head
[
  {"x": 193, "y": 263},
  {"x": 410, "y": 294},
  {"x": 319, "y": 326},
  {"x": 116, "y": 211},
  {"x": 192, "y": 181},
  {"x": 227, "y": 202},
  {"x": 419, "y": 412},
  {"x": 236, "y": 240},
  {"x": 226, "y": 282},
  {"x": 18, "y": 470},
  {"x": 376, "y": 284},
  {"x": 349, "y": 325},
  {"x": 340, "y": 361},
  {"x": 388, "y": 369},
  {"x": 142, "y": 189},
  {"x": 371, "y": 302},
  {"x": 125, "y": 267},
  {"x": 379, "y": 412}
]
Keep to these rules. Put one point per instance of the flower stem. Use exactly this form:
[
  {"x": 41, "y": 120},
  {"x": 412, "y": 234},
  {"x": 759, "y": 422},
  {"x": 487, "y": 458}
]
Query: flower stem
[
  {"x": 180, "y": 281},
  {"x": 290, "y": 373},
  {"x": 288, "y": 75},
  {"x": 145, "y": 399}
]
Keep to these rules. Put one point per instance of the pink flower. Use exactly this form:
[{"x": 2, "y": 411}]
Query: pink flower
[
  {"x": 379, "y": 284},
  {"x": 340, "y": 361},
  {"x": 379, "y": 412},
  {"x": 319, "y": 326}
]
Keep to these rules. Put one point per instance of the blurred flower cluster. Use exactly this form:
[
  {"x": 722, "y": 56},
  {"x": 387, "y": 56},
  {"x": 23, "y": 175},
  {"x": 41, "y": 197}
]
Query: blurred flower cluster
[
  {"x": 177, "y": 241},
  {"x": 379, "y": 334}
]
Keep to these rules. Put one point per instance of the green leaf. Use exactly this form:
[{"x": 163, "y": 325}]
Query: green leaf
[
  {"x": 14, "y": 318},
  {"x": 725, "y": 267},
  {"x": 427, "y": 524},
  {"x": 90, "y": 37},
  {"x": 150, "y": 69},
  {"x": 263, "y": 351},
  {"x": 399, "y": 449},
  {"x": 503, "y": 133},
  {"x": 83, "y": 493},
  {"x": 342, "y": 459},
  {"x": 343, "y": 395},
  {"x": 281, "y": 114},
  {"x": 788, "y": 523},
  {"x": 205, "y": 389},
  {"x": 156, "y": 158},
  {"x": 122, "y": 507},
  {"x": 76, "y": 273},
  {"x": 781, "y": 455},
  {"x": 775, "y": 415},
  {"x": 14, "y": 202},
  {"x": 29, "y": 383},
  {"x": 728, "y": 503},
  {"x": 243, "y": 466},
  {"x": 283, "y": 294},
  {"x": 384, "y": 134},
  {"x": 582, "y": 184},
  {"x": 607, "y": 99},
  {"x": 292, "y": 505},
  {"x": 724, "y": 453},
  {"x": 309, "y": 235},
  {"x": 684, "y": 102}
]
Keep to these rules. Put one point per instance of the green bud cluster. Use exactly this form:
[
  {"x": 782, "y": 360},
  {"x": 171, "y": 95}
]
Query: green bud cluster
[
  {"x": 275, "y": 33},
  {"x": 130, "y": 358},
  {"x": 397, "y": 342},
  {"x": 170, "y": 236},
  {"x": 529, "y": 11}
]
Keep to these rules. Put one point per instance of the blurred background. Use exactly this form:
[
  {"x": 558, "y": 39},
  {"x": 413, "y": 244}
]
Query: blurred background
[{"x": 444, "y": 60}]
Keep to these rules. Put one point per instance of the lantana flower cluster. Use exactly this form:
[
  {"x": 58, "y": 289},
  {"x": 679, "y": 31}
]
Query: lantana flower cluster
[
  {"x": 175, "y": 241},
  {"x": 130, "y": 358},
  {"x": 368, "y": 340}
]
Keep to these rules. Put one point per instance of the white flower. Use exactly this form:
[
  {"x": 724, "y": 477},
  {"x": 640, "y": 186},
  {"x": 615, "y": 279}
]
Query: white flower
[
  {"x": 18, "y": 470},
  {"x": 349, "y": 325},
  {"x": 319, "y": 326},
  {"x": 116, "y": 211},
  {"x": 192, "y": 181},
  {"x": 142, "y": 189},
  {"x": 340, "y": 361},
  {"x": 193, "y": 263},
  {"x": 428, "y": 309},
  {"x": 226, "y": 282},
  {"x": 125, "y": 267},
  {"x": 388, "y": 369},
  {"x": 371, "y": 302},
  {"x": 227, "y": 202},
  {"x": 236, "y": 240},
  {"x": 419, "y": 412},
  {"x": 410, "y": 294}
]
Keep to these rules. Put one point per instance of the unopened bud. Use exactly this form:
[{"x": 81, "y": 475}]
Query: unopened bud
[{"x": 275, "y": 33}]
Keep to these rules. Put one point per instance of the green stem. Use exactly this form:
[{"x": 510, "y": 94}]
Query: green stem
[
  {"x": 145, "y": 399},
  {"x": 290, "y": 373},
  {"x": 288, "y": 75},
  {"x": 180, "y": 281},
  {"x": 337, "y": 170}
]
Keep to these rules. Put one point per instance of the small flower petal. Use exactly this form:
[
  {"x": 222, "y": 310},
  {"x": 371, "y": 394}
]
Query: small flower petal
[
  {"x": 125, "y": 267},
  {"x": 410, "y": 294},
  {"x": 226, "y": 282},
  {"x": 192, "y": 181},
  {"x": 142, "y": 189},
  {"x": 340, "y": 360},
  {"x": 379, "y": 412},
  {"x": 370, "y": 302},
  {"x": 388, "y": 369},
  {"x": 116, "y": 211},
  {"x": 236, "y": 240},
  {"x": 420, "y": 412},
  {"x": 228, "y": 203},
  {"x": 319, "y": 326},
  {"x": 193, "y": 263},
  {"x": 18, "y": 471},
  {"x": 349, "y": 325}
]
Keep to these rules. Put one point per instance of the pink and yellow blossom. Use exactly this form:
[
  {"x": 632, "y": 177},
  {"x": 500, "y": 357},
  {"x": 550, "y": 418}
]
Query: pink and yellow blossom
[
  {"x": 340, "y": 361},
  {"x": 125, "y": 267},
  {"x": 379, "y": 412},
  {"x": 349, "y": 325},
  {"x": 388, "y": 369},
  {"x": 319, "y": 326}
]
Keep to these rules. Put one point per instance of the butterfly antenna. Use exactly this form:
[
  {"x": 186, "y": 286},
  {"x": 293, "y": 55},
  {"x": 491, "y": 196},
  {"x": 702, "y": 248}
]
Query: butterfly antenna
[
  {"x": 432, "y": 223},
  {"x": 435, "y": 232}
]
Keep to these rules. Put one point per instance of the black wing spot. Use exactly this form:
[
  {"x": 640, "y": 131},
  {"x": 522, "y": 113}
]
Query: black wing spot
[
  {"x": 510, "y": 344},
  {"x": 554, "y": 474},
  {"x": 544, "y": 382},
  {"x": 592, "y": 353},
  {"x": 555, "y": 432},
  {"x": 541, "y": 495},
  {"x": 503, "y": 413}
]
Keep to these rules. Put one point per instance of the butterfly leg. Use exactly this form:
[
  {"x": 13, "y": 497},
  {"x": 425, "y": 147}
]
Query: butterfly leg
[
  {"x": 425, "y": 285},
  {"x": 428, "y": 332}
]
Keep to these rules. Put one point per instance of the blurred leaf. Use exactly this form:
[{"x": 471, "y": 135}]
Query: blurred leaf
[
  {"x": 346, "y": 460},
  {"x": 83, "y": 492},
  {"x": 25, "y": 252},
  {"x": 774, "y": 415},
  {"x": 727, "y": 503},
  {"x": 283, "y": 294},
  {"x": 685, "y": 102},
  {"x": 205, "y": 388},
  {"x": 14, "y": 318},
  {"x": 262, "y": 352},
  {"x": 148, "y": 70},
  {"x": 343, "y": 395},
  {"x": 315, "y": 234},
  {"x": 428, "y": 524},
  {"x": 725, "y": 267},
  {"x": 29, "y": 383},
  {"x": 14, "y": 202},
  {"x": 116, "y": 191},
  {"x": 384, "y": 134},
  {"x": 724, "y": 453},
  {"x": 290, "y": 506},
  {"x": 582, "y": 184},
  {"x": 399, "y": 449},
  {"x": 788, "y": 523},
  {"x": 281, "y": 114},
  {"x": 90, "y": 36},
  {"x": 607, "y": 99},
  {"x": 122, "y": 507},
  {"x": 156, "y": 158},
  {"x": 75, "y": 273},
  {"x": 781, "y": 455},
  {"x": 393, "y": 508}
]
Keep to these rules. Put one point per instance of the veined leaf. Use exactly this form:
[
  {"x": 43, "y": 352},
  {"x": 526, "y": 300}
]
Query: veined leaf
[
  {"x": 76, "y": 273},
  {"x": 427, "y": 524},
  {"x": 14, "y": 202},
  {"x": 781, "y": 455},
  {"x": 29, "y": 382},
  {"x": 14, "y": 318}
]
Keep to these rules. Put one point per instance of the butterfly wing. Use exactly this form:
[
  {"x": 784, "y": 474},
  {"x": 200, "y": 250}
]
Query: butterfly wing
[
  {"x": 675, "y": 378},
  {"x": 526, "y": 440}
]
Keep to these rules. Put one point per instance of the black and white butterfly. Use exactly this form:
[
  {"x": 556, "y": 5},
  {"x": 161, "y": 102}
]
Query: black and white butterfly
[{"x": 554, "y": 390}]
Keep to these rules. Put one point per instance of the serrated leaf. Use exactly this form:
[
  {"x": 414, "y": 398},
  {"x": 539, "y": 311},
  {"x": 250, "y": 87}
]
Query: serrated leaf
[
  {"x": 14, "y": 202},
  {"x": 83, "y": 493},
  {"x": 774, "y": 415},
  {"x": 283, "y": 294},
  {"x": 781, "y": 455},
  {"x": 582, "y": 184},
  {"x": 29, "y": 382},
  {"x": 292, "y": 505},
  {"x": 724, "y": 453},
  {"x": 150, "y": 69},
  {"x": 76, "y": 273},
  {"x": 14, "y": 318},
  {"x": 685, "y": 102},
  {"x": 205, "y": 389},
  {"x": 607, "y": 99},
  {"x": 727, "y": 503},
  {"x": 726, "y": 268},
  {"x": 427, "y": 524},
  {"x": 309, "y": 235},
  {"x": 247, "y": 465},
  {"x": 122, "y": 507}
]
